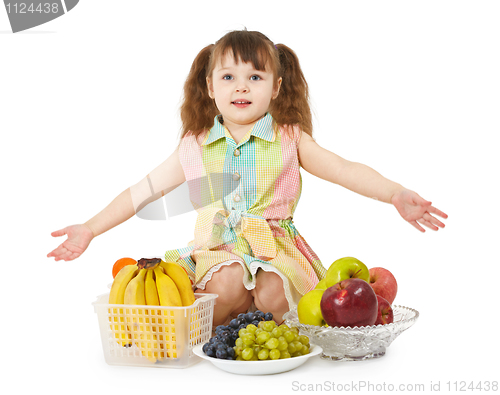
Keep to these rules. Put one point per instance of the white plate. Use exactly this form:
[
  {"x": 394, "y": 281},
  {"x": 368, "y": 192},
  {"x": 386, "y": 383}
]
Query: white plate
[{"x": 258, "y": 367}]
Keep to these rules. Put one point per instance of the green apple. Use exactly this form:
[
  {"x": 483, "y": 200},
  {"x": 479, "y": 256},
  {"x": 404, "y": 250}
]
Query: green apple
[
  {"x": 309, "y": 310},
  {"x": 321, "y": 284},
  {"x": 345, "y": 268}
]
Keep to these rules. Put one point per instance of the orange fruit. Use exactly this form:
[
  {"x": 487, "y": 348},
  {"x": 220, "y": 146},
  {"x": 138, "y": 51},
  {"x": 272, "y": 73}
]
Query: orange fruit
[{"x": 120, "y": 263}]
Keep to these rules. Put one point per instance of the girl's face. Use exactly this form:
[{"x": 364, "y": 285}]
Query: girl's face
[{"x": 242, "y": 94}]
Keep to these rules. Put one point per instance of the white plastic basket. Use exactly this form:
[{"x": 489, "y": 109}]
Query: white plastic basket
[{"x": 135, "y": 335}]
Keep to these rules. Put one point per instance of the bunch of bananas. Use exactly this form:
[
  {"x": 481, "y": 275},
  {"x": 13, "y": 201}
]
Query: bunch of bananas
[{"x": 150, "y": 282}]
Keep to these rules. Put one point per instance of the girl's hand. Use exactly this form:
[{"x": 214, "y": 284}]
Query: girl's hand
[
  {"x": 417, "y": 210},
  {"x": 79, "y": 237}
]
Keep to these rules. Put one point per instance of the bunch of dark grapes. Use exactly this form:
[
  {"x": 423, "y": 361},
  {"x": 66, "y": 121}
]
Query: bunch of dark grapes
[{"x": 222, "y": 344}]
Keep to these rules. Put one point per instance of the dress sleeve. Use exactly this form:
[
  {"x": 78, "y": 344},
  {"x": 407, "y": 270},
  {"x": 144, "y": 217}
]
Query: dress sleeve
[
  {"x": 291, "y": 133},
  {"x": 190, "y": 155},
  {"x": 298, "y": 132}
]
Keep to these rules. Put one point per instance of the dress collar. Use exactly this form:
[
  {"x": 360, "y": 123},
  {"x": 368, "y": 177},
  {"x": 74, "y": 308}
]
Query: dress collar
[{"x": 263, "y": 129}]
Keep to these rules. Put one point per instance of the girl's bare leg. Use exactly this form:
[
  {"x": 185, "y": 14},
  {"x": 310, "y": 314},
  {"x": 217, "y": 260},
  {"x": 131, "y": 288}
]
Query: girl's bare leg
[
  {"x": 233, "y": 298},
  {"x": 269, "y": 295}
]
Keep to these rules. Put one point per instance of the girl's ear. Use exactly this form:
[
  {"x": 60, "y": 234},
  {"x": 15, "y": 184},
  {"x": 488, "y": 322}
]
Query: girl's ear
[
  {"x": 210, "y": 88},
  {"x": 276, "y": 89}
]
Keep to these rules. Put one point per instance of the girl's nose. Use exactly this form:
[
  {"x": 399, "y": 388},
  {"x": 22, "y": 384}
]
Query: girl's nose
[{"x": 241, "y": 88}]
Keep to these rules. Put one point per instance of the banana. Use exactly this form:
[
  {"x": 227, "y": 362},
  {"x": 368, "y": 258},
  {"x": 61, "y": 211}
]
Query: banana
[
  {"x": 151, "y": 292},
  {"x": 117, "y": 296},
  {"x": 141, "y": 331},
  {"x": 167, "y": 290},
  {"x": 135, "y": 291},
  {"x": 169, "y": 296},
  {"x": 153, "y": 300},
  {"x": 181, "y": 280}
]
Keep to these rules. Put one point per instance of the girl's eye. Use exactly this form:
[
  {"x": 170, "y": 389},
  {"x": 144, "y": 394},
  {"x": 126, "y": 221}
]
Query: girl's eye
[
  {"x": 227, "y": 77},
  {"x": 255, "y": 78}
]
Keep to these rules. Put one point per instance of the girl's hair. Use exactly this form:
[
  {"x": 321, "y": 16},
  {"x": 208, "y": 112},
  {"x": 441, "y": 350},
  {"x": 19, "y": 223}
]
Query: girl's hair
[{"x": 289, "y": 108}]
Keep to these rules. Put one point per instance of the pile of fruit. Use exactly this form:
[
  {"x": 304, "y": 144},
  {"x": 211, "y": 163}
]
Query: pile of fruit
[
  {"x": 151, "y": 282},
  {"x": 255, "y": 336},
  {"x": 350, "y": 295}
]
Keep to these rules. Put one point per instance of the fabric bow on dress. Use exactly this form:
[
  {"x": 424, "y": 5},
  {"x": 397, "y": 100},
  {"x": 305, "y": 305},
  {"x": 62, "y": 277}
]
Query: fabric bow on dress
[{"x": 214, "y": 225}]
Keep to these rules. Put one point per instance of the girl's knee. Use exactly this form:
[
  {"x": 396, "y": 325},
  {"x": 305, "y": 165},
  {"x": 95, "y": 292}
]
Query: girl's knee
[
  {"x": 269, "y": 293},
  {"x": 227, "y": 282}
]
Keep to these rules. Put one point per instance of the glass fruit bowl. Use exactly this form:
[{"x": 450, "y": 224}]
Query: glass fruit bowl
[{"x": 358, "y": 343}]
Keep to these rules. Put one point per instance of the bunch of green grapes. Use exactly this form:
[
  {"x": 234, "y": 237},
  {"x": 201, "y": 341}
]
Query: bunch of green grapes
[{"x": 269, "y": 341}]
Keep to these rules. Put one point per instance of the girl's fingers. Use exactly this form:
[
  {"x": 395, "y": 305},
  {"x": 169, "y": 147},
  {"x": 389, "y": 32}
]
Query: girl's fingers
[
  {"x": 59, "y": 253},
  {"x": 74, "y": 256},
  {"x": 63, "y": 255},
  {"x": 417, "y": 226},
  {"x": 433, "y": 220},
  {"x": 67, "y": 256},
  {"x": 421, "y": 215},
  {"x": 434, "y": 210},
  {"x": 427, "y": 223},
  {"x": 56, "y": 252},
  {"x": 59, "y": 232}
]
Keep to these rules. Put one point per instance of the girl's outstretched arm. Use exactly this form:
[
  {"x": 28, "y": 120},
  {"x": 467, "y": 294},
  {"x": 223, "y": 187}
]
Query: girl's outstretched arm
[
  {"x": 364, "y": 180},
  {"x": 163, "y": 179}
]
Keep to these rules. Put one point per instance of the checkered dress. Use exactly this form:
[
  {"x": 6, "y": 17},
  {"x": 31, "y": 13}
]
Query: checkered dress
[{"x": 245, "y": 195}]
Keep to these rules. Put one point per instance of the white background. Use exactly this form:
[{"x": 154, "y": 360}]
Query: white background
[{"x": 89, "y": 105}]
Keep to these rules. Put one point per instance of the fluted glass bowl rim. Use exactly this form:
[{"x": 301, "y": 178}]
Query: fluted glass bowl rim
[{"x": 292, "y": 317}]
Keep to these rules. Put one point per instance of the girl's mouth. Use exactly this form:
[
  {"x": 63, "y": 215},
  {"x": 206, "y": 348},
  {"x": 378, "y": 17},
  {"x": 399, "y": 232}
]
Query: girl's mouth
[{"x": 241, "y": 103}]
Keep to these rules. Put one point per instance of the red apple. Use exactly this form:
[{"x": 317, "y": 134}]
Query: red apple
[
  {"x": 383, "y": 283},
  {"x": 350, "y": 302},
  {"x": 385, "y": 314}
]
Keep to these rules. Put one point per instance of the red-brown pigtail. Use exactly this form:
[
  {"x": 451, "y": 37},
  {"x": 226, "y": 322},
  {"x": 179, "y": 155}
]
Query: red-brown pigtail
[
  {"x": 198, "y": 109},
  {"x": 292, "y": 104}
]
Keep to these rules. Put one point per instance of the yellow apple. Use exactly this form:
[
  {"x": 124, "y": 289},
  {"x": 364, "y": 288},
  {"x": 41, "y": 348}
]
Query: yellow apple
[
  {"x": 321, "y": 284},
  {"x": 345, "y": 268},
  {"x": 309, "y": 310}
]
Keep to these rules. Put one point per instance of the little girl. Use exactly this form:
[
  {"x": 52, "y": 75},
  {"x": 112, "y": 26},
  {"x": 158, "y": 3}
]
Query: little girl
[{"x": 246, "y": 117}]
